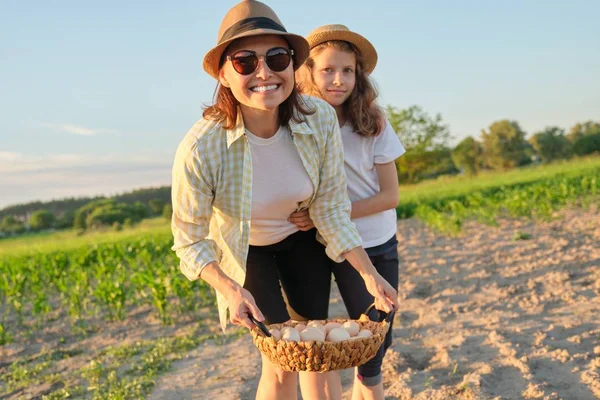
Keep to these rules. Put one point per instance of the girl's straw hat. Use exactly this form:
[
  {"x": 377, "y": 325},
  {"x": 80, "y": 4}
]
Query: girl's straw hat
[
  {"x": 251, "y": 18},
  {"x": 327, "y": 33}
]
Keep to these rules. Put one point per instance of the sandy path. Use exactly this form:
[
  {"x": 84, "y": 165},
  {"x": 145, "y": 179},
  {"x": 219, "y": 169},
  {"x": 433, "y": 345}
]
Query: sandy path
[{"x": 483, "y": 316}]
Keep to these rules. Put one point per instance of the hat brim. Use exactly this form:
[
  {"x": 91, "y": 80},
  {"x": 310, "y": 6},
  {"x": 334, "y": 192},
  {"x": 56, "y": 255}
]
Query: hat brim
[
  {"x": 297, "y": 42},
  {"x": 366, "y": 49}
]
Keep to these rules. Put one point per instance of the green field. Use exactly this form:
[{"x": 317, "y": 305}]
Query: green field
[
  {"x": 98, "y": 277},
  {"x": 536, "y": 191}
]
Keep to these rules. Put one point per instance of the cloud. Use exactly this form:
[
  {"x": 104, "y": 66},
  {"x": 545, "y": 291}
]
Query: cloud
[
  {"x": 7, "y": 156},
  {"x": 27, "y": 177},
  {"x": 76, "y": 130}
]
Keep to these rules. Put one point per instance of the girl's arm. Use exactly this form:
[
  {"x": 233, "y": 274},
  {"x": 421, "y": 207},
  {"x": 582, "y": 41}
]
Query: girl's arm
[
  {"x": 385, "y": 199},
  {"x": 331, "y": 216}
]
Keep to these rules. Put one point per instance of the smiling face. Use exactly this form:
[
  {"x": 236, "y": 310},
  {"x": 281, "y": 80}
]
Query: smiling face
[
  {"x": 334, "y": 74},
  {"x": 263, "y": 89}
]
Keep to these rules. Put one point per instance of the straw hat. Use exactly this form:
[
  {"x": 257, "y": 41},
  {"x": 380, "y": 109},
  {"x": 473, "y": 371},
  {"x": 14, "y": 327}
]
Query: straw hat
[
  {"x": 251, "y": 18},
  {"x": 327, "y": 33}
]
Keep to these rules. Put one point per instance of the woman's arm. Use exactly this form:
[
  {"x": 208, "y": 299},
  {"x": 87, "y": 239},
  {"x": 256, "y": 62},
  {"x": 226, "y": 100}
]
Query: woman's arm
[
  {"x": 192, "y": 195},
  {"x": 387, "y": 197}
]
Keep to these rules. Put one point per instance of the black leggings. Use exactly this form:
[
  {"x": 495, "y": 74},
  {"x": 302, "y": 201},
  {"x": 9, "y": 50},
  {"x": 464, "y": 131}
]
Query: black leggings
[
  {"x": 299, "y": 265},
  {"x": 357, "y": 299}
]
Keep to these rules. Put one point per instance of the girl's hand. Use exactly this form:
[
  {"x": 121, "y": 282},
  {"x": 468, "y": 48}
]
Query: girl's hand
[
  {"x": 386, "y": 297},
  {"x": 302, "y": 220},
  {"x": 241, "y": 303}
]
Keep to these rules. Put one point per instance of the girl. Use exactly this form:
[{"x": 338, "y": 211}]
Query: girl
[
  {"x": 259, "y": 153},
  {"x": 337, "y": 70}
]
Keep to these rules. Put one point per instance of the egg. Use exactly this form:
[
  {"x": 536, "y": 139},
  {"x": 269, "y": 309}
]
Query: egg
[
  {"x": 337, "y": 335},
  {"x": 285, "y": 329},
  {"x": 352, "y": 327},
  {"x": 276, "y": 333},
  {"x": 312, "y": 333},
  {"x": 300, "y": 327},
  {"x": 365, "y": 333},
  {"x": 316, "y": 324},
  {"x": 330, "y": 325},
  {"x": 291, "y": 335}
]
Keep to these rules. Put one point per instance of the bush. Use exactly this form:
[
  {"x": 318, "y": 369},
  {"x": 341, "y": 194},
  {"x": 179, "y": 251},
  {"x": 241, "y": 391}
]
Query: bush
[{"x": 41, "y": 219}]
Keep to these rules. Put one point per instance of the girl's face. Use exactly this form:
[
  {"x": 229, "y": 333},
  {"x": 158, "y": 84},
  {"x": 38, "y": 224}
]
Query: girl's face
[
  {"x": 263, "y": 88},
  {"x": 334, "y": 74}
]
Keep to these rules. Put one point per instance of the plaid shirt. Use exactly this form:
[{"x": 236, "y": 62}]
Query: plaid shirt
[{"x": 212, "y": 193}]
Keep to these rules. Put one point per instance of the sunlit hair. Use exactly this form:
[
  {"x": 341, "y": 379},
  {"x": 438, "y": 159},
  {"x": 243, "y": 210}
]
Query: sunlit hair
[
  {"x": 361, "y": 108},
  {"x": 225, "y": 107}
]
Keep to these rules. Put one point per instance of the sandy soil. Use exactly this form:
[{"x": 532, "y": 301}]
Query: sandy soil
[{"x": 483, "y": 316}]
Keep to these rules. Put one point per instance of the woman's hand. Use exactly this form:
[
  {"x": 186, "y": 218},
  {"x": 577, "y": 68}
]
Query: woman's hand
[
  {"x": 241, "y": 303},
  {"x": 302, "y": 220}
]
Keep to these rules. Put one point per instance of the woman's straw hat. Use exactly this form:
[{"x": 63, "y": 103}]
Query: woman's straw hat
[
  {"x": 251, "y": 18},
  {"x": 327, "y": 33}
]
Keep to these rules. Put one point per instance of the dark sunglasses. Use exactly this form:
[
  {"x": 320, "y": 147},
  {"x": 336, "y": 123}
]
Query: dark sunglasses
[{"x": 245, "y": 62}]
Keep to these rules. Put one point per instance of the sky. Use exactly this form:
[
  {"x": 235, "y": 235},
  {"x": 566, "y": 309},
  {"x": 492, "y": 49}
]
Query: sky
[{"x": 95, "y": 96}]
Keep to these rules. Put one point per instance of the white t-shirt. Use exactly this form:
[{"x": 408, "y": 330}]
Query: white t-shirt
[
  {"x": 360, "y": 156},
  {"x": 279, "y": 183}
]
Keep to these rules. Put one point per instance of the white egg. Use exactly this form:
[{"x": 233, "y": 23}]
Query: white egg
[
  {"x": 316, "y": 324},
  {"x": 330, "y": 325},
  {"x": 337, "y": 335},
  {"x": 292, "y": 335},
  {"x": 312, "y": 333},
  {"x": 300, "y": 327},
  {"x": 285, "y": 329},
  {"x": 352, "y": 327},
  {"x": 276, "y": 333},
  {"x": 365, "y": 333}
]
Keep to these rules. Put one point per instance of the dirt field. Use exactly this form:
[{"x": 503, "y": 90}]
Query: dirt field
[
  {"x": 483, "y": 316},
  {"x": 492, "y": 314}
]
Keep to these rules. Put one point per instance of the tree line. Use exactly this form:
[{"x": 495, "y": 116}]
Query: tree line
[{"x": 503, "y": 145}]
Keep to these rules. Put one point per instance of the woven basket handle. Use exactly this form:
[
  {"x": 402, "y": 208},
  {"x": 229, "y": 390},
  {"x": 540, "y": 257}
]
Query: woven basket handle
[
  {"x": 261, "y": 326},
  {"x": 382, "y": 314}
]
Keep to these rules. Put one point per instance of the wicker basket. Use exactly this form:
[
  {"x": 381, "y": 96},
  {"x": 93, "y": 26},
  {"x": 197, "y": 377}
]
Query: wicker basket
[{"x": 322, "y": 356}]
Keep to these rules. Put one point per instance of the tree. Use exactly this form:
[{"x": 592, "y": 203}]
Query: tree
[
  {"x": 504, "y": 145},
  {"x": 420, "y": 134},
  {"x": 580, "y": 130},
  {"x": 11, "y": 225},
  {"x": 66, "y": 220},
  {"x": 587, "y": 144},
  {"x": 551, "y": 144},
  {"x": 167, "y": 211},
  {"x": 140, "y": 211},
  {"x": 41, "y": 219},
  {"x": 156, "y": 206},
  {"x": 467, "y": 156}
]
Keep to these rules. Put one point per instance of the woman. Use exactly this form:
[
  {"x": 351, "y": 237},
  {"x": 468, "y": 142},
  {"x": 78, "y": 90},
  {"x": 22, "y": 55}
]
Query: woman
[{"x": 259, "y": 153}]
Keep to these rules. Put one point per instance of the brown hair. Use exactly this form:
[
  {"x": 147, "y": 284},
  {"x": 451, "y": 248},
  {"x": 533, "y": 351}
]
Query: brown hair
[
  {"x": 361, "y": 108},
  {"x": 225, "y": 107}
]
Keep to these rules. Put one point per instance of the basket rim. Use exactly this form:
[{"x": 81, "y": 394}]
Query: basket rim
[{"x": 382, "y": 326}]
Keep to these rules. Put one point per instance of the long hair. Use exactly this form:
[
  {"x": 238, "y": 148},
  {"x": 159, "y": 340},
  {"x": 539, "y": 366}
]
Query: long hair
[
  {"x": 225, "y": 106},
  {"x": 361, "y": 108}
]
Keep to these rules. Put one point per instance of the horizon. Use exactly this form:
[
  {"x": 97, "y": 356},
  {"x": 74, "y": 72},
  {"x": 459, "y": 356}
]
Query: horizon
[{"x": 101, "y": 94}]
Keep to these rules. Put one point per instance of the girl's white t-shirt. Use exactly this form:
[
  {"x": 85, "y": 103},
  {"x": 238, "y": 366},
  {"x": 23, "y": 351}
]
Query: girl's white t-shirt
[
  {"x": 279, "y": 183},
  {"x": 360, "y": 156}
]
